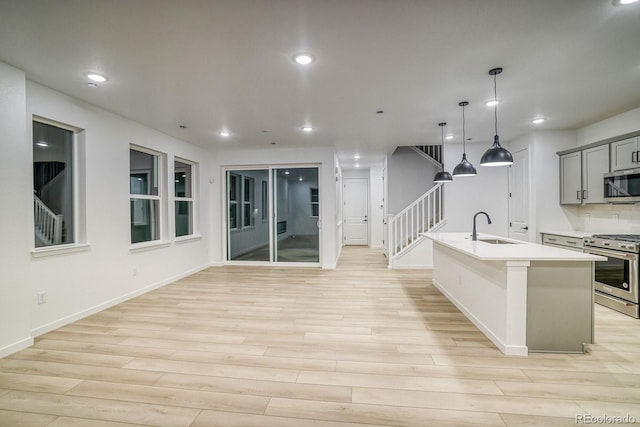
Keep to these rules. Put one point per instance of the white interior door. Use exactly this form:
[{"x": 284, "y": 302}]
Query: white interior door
[
  {"x": 356, "y": 211},
  {"x": 519, "y": 196}
]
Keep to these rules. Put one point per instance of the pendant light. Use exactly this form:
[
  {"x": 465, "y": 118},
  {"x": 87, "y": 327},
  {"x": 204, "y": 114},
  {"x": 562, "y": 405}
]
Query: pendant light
[
  {"x": 442, "y": 176},
  {"x": 496, "y": 155},
  {"x": 464, "y": 168}
]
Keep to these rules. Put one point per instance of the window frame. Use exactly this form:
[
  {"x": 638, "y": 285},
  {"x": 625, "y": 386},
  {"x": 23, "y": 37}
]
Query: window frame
[
  {"x": 248, "y": 202},
  {"x": 192, "y": 200},
  {"x": 160, "y": 232},
  {"x": 234, "y": 201},
  {"x": 316, "y": 203},
  {"x": 78, "y": 190}
]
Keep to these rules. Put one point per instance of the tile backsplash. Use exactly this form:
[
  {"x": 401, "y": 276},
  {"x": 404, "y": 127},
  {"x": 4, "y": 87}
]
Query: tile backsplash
[{"x": 608, "y": 218}]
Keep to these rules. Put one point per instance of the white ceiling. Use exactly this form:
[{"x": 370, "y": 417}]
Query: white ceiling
[{"x": 213, "y": 65}]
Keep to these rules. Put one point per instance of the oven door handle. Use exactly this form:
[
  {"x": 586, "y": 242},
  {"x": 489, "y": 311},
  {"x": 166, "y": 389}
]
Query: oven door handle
[{"x": 612, "y": 254}]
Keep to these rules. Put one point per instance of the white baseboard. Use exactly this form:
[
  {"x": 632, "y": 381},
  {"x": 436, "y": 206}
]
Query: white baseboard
[
  {"x": 103, "y": 306},
  {"x": 509, "y": 350},
  {"x": 16, "y": 347}
]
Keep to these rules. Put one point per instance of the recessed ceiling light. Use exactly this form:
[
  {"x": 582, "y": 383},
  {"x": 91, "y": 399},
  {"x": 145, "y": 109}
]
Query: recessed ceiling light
[
  {"x": 300, "y": 179},
  {"x": 538, "y": 120},
  {"x": 303, "y": 58},
  {"x": 492, "y": 103},
  {"x": 448, "y": 137},
  {"x": 307, "y": 129},
  {"x": 42, "y": 144},
  {"x": 357, "y": 165},
  {"x": 225, "y": 133},
  {"x": 356, "y": 156},
  {"x": 287, "y": 172},
  {"x": 96, "y": 77},
  {"x": 623, "y": 2}
]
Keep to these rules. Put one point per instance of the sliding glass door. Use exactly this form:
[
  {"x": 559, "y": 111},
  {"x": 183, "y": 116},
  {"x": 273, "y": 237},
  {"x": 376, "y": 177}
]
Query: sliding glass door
[
  {"x": 272, "y": 215},
  {"x": 296, "y": 207},
  {"x": 248, "y": 215}
]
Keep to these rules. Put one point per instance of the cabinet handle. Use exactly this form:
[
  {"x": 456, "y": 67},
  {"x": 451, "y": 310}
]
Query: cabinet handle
[
  {"x": 585, "y": 194},
  {"x": 637, "y": 159},
  {"x": 578, "y": 194},
  {"x": 551, "y": 240}
]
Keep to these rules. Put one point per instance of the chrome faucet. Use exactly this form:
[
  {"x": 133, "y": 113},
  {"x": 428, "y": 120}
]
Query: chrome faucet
[{"x": 474, "y": 235}]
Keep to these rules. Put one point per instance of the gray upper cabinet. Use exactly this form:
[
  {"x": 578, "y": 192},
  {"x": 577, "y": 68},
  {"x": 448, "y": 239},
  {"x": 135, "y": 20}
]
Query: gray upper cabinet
[
  {"x": 581, "y": 176},
  {"x": 595, "y": 163},
  {"x": 571, "y": 178},
  {"x": 625, "y": 153}
]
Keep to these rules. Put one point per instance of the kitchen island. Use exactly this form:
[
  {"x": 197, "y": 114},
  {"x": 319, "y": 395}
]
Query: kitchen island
[{"x": 522, "y": 296}]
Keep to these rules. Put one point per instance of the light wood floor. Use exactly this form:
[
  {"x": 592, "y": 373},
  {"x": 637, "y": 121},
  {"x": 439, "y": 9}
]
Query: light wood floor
[{"x": 258, "y": 346}]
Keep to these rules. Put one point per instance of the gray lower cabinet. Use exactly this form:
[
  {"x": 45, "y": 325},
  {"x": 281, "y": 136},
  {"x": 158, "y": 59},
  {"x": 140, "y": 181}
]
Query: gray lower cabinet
[{"x": 560, "y": 241}]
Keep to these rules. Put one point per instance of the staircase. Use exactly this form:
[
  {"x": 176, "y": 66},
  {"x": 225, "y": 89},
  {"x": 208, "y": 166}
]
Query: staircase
[
  {"x": 48, "y": 224},
  {"x": 48, "y": 179},
  {"x": 433, "y": 151},
  {"x": 423, "y": 215}
]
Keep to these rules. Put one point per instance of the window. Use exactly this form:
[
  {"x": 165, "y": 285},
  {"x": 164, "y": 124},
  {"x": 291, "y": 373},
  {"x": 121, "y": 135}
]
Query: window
[
  {"x": 54, "y": 197},
  {"x": 247, "y": 201},
  {"x": 315, "y": 204},
  {"x": 265, "y": 201},
  {"x": 145, "y": 195},
  {"x": 234, "y": 191},
  {"x": 184, "y": 197}
]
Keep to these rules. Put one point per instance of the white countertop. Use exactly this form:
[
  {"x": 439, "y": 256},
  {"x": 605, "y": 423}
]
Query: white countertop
[{"x": 518, "y": 251}]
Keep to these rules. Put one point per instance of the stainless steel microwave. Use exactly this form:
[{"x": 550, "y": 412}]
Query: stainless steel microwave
[{"x": 622, "y": 186}]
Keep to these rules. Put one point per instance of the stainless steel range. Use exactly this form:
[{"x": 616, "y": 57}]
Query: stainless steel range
[{"x": 616, "y": 279}]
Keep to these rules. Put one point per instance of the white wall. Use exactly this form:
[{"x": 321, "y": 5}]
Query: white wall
[
  {"x": 410, "y": 176},
  {"x": 376, "y": 211},
  {"x": 83, "y": 282},
  {"x": 487, "y": 191},
  {"x": 16, "y": 217},
  {"x": 323, "y": 157},
  {"x": 620, "y": 124}
]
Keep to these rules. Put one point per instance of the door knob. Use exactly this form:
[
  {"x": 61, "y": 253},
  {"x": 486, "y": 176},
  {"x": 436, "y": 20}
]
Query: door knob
[{"x": 525, "y": 228}]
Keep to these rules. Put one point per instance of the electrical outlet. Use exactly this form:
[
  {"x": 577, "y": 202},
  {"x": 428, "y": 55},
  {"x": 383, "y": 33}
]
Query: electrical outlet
[{"x": 42, "y": 297}]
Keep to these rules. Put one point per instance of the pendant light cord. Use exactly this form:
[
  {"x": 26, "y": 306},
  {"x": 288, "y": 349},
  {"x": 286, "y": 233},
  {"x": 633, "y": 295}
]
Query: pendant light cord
[
  {"x": 464, "y": 139},
  {"x": 442, "y": 147},
  {"x": 495, "y": 105}
]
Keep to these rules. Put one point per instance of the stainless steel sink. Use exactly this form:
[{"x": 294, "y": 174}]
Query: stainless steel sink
[{"x": 496, "y": 241}]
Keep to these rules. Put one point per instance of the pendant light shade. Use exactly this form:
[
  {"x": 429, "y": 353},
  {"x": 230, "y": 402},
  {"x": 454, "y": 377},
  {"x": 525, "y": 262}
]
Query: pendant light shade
[
  {"x": 464, "y": 168},
  {"x": 442, "y": 176},
  {"x": 496, "y": 155}
]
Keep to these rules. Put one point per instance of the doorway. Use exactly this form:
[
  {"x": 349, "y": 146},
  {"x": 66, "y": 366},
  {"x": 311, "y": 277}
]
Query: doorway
[
  {"x": 272, "y": 215},
  {"x": 519, "y": 196},
  {"x": 356, "y": 211}
]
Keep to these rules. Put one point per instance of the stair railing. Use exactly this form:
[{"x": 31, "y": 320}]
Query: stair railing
[
  {"x": 422, "y": 215},
  {"x": 48, "y": 224}
]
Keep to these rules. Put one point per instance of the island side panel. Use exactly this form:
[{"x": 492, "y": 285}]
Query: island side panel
[
  {"x": 559, "y": 306},
  {"x": 478, "y": 288}
]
